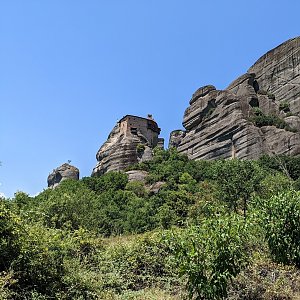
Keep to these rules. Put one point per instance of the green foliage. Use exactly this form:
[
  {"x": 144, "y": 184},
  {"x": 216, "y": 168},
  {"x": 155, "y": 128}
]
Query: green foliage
[
  {"x": 6, "y": 282},
  {"x": 236, "y": 181},
  {"x": 207, "y": 204},
  {"x": 39, "y": 264},
  {"x": 54, "y": 245},
  {"x": 211, "y": 254},
  {"x": 264, "y": 279},
  {"x": 137, "y": 187},
  {"x": 109, "y": 181},
  {"x": 274, "y": 184},
  {"x": 174, "y": 208},
  {"x": 284, "y": 106},
  {"x": 10, "y": 230},
  {"x": 138, "y": 263},
  {"x": 271, "y": 96},
  {"x": 281, "y": 221},
  {"x": 140, "y": 148},
  {"x": 68, "y": 206},
  {"x": 259, "y": 119},
  {"x": 288, "y": 165}
]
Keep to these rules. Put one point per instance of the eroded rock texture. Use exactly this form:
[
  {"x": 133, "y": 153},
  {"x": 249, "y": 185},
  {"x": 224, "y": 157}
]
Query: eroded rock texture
[
  {"x": 137, "y": 175},
  {"x": 219, "y": 123},
  {"x": 278, "y": 72},
  {"x": 65, "y": 171},
  {"x": 130, "y": 141}
]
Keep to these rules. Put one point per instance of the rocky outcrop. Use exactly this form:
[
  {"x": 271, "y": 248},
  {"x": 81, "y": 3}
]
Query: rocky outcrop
[
  {"x": 137, "y": 175},
  {"x": 131, "y": 141},
  {"x": 278, "y": 73},
  {"x": 65, "y": 171},
  {"x": 231, "y": 122},
  {"x": 176, "y": 137}
]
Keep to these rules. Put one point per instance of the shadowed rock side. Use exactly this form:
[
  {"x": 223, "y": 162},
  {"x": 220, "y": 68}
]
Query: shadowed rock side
[
  {"x": 278, "y": 72},
  {"x": 130, "y": 141},
  {"x": 65, "y": 171},
  {"x": 220, "y": 123}
]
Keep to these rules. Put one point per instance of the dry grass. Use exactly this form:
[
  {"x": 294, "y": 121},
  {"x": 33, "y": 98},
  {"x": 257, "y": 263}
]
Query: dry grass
[{"x": 264, "y": 279}]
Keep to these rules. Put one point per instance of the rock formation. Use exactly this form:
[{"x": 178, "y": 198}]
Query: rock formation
[
  {"x": 131, "y": 141},
  {"x": 258, "y": 113},
  {"x": 137, "y": 175},
  {"x": 278, "y": 73},
  {"x": 65, "y": 171}
]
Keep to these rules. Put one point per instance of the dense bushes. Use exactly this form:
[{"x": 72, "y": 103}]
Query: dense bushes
[
  {"x": 281, "y": 221},
  {"x": 260, "y": 119},
  {"x": 10, "y": 230},
  {"x": 204, "y": 224},
  {"x": 211, "y": 254}
]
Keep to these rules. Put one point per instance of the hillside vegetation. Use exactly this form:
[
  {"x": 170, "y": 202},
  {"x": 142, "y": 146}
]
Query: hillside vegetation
[{"x": 224, "y": 229}]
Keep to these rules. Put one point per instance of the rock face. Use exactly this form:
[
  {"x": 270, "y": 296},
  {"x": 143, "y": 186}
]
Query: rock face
[
  {"x": 221, "y": 123},
  {"x": 278, "y": 72},
  {"x": 65, "y": 171},
  {"x": 130, "y": 141},
  {"x": 137, "y": 175},
  {"x": 175, "y": 138}
]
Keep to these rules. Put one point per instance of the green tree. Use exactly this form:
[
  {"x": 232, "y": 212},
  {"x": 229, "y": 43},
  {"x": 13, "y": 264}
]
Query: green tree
[
  {"x": 10, "y": 231},
  {"x": 236, "y": 181},
  {"x": 109, "y": 181},
  {"x": 281, "y": 222},
  {"x": 211, "y": 254}
]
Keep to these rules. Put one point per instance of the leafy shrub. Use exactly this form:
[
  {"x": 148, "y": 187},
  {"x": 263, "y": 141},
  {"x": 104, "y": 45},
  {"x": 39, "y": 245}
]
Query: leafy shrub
[
  {"x": 140, "y": 148},
  {"x": 137, "y": 187},
  {"x": 207, "y": 204},
  {"x": 260, "y": 119},
  {"x": 10, "y": 231},
  {"x": 281, "y": 221},
  {"x": 271, "y": 96},
  {"x": 273, "y": 184},
  {"x": 268, "y": 120},
  {"x": 39, "y": 265},
  {"x": 68, "y": 206},
  {"x": 210, "y": 255},
  {"x": 7, "y": 281},
  {"x": 288, "y": 165},
  {"x": 138, "y": 263},
  {"x": 284, "y": 106},
  {"x": 109, "y": 181},
  {"x": 264, "y": 279},
  {"x": 234, "y": 191}
]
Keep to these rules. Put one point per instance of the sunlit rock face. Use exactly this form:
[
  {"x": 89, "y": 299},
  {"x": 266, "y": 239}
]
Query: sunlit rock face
[
  {"x": 278, "y": 72},
  {"x": 131, "y": 141},
  {"x": 219, "y": 123},
  {"x": 65, "y": 171}
]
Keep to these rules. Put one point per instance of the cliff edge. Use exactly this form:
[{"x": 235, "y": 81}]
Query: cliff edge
[
  {"x": 258, "y": 113},
  {"x": 130, "y": 141}
]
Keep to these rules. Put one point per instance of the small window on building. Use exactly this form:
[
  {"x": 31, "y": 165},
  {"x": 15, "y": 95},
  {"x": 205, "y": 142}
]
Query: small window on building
[{"x": 133, "y": 130}]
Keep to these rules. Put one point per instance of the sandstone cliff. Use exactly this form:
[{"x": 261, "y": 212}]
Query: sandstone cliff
[
  {"x": 258, "y": 113},
  {"x": 130, "y": 141},
  {"x": 65, "y": 171}
]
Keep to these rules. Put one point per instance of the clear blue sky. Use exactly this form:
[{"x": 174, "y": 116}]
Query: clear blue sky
[{"x": 70, "y": 69}]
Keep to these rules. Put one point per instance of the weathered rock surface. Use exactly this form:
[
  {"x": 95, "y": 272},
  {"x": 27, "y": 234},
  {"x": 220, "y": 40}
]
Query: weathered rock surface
[
  {"x": 156, "y": 187},
  {"x": 65, "y": 171},
  {"x": 176, "y": 137},
  {"x": 278, "y": 73},
  {"x": 131, "y": 141},
  {"x": 218, "y": 122},
  {"x": 137, "y": 175}
]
